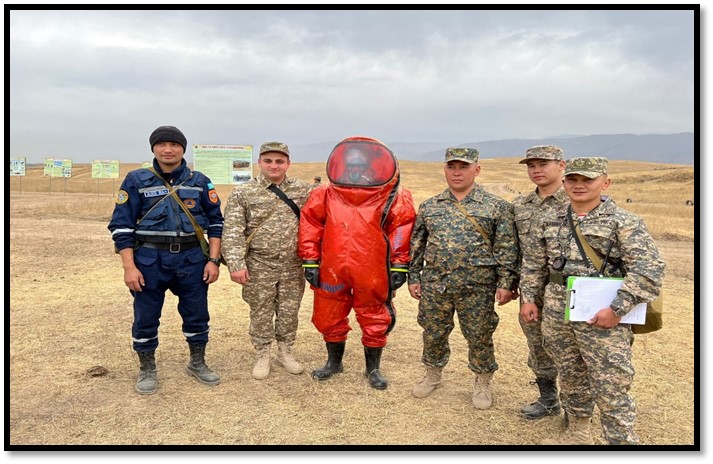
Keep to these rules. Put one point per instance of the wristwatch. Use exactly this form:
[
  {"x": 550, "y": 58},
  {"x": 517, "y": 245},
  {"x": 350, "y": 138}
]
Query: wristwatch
[{"x": 215, "y": 261}]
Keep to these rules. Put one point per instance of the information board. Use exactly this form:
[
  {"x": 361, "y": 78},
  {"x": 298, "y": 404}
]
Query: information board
[
  {"x": 105, "y": 169},
  {"x": 224, "y": 164},
  {"x": 17, "y": 166},
  {"x": 55, "y": 167}
]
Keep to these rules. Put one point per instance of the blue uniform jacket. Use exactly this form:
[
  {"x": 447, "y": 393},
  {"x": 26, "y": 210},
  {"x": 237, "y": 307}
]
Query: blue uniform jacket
[{"x": 142, "y": 189}]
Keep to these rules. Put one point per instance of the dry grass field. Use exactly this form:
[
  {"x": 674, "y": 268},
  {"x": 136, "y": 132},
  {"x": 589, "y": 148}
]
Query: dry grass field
[{"x": 72, "y": 369}]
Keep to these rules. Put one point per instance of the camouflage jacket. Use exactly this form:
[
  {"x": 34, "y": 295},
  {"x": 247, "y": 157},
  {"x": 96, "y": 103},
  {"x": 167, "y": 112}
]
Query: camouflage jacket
[
  {"x": 528, "y": 211},
  {"x": 609, "y": 230},
  {"x": 253, "y": 212},
  {"x": 446, "y": 246}
]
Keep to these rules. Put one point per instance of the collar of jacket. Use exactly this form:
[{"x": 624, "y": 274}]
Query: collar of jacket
[
  {"x": 560, "y": 195},
  {"x": 474, "y": 195},
  {"x": 178, "y": 175},
  {"x": 264, "y": 182}
]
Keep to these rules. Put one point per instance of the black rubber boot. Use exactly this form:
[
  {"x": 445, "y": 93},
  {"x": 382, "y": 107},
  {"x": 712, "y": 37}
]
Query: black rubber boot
[
  {"x": 198, "y": 368},
  {"x": 335, "y": 353},
  {"x": 548, "y": 404},
  {"x": 373, "y": 359},
  {"x": 147, "y": 383}
]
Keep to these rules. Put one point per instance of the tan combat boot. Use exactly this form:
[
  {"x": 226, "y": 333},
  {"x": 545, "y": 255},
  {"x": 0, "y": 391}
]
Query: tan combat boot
[
  {"x": 262, "y": 365},
  {"x": 287, "y": 359},
  {"x": 578, "y": 433},
  {"x": 482, "y": 392},
  {"x": 430, "y": 381}
]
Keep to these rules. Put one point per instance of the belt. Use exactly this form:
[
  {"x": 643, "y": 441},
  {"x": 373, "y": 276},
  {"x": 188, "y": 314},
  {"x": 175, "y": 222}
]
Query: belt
[
  {"x": 166, "y": 239},
  {"x": 558, "y": 278},
  {"x": 172, "y": 247}
]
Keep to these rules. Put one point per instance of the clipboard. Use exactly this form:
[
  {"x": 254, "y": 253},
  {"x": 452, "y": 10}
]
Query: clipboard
[{"x": 587, "y": 295}]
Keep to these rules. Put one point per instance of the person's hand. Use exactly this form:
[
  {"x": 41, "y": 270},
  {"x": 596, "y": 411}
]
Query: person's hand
[
  {"x": 311, "y": 268},
  {"x": 240, "y": 277},
  {"x": 605, "y": 318},
  {"x": 415, "y": 290},
  {"x": 398, "y": 274},
  {"x": 529, "y": 312},
  {"x": 211, "y": 272},
  {"x": 134, "y": 279},
  {"x": 503, "y": 296}
]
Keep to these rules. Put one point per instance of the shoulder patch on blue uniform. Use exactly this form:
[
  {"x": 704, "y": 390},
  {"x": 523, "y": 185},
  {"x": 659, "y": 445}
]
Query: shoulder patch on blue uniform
[
  {"x": 210, "y": 186},
  {"x": 122, "y": 197}
]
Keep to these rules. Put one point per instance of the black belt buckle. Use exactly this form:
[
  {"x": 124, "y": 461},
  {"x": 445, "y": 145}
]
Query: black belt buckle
[{"x": 174, "y": 247}]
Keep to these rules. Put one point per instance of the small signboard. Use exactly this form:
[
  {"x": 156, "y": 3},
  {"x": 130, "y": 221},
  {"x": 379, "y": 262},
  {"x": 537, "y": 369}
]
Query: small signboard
[
  {"x": 17, "y": 166},
  {"x": 55, "y": 167}
]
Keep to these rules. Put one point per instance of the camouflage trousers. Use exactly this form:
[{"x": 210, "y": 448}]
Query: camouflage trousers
[
  {"x": 538, "y": 359},
  {"x": 274, "y": 295},
  {"x": 477, "y": 319},
  {"x": 595, "y": 367}
]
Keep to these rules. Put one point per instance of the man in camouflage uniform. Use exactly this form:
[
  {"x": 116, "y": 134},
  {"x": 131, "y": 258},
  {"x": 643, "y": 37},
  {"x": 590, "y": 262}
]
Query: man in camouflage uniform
[
  {"x": 593, "y": 357},
  {"x": 260, "y": 247},
  {"x": 462, "y": 264},
  {"x": 545, "y": 164}
]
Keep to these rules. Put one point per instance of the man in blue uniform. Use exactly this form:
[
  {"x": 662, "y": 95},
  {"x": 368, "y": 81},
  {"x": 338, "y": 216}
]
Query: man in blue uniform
[{"x": 160, "y": 251}]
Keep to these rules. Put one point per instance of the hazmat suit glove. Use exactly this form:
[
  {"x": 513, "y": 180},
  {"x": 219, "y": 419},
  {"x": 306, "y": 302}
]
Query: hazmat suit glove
[
  {"x": 311, "y": 268},
  {"x": 398, "y": 274}
]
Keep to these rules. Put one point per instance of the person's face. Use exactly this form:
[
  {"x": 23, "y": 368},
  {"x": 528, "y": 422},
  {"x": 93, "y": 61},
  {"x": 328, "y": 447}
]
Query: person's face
[
  {"x": 168, "y": 155},
  {"x": 460, "y": 176},
  {"x": 582, "y": 190},
  {"x": 544, "y": 173},
  {"x": 273, "y": 166}
]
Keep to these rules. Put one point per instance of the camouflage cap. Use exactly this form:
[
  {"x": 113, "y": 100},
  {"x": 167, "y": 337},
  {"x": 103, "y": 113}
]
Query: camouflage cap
[
  {"x": 545, "y": 152},
  {"x": 279, "y": 147},
  {"x": 588, "y": 167},
  {"x": 467, "y": 155}
]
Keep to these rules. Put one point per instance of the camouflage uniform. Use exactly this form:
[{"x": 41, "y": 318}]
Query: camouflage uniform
[
  {"x": 594, "y": 364},
  {"x": 276, "y": 276},
  {"x": 528, "y": 209},
  {"x": 459, "y": 272}
]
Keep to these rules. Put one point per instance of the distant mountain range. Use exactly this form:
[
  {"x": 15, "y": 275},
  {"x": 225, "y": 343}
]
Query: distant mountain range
[{"x": 658, "y": 148}]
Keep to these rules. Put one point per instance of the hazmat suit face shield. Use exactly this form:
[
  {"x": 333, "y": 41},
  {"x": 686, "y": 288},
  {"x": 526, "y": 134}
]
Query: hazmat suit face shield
[{"x": 361, "y": 163}]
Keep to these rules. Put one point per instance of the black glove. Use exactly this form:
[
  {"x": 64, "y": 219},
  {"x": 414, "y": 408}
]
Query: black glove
[
  {"x": 311, "y": 268},
  {"x": 398, "y": 275}
]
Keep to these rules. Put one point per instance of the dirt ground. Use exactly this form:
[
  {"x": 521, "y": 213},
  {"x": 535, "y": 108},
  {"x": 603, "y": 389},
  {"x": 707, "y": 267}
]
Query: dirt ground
[{"x": 72, "y": 369}]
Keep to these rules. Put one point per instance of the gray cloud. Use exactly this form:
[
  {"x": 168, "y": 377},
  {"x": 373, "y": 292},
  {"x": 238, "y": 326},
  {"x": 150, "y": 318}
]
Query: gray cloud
[{"x": 91, "y": 84}]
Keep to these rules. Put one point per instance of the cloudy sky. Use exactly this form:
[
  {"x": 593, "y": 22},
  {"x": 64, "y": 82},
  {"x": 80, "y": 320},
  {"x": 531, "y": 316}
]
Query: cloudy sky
[{"x": 93, "y": 84}]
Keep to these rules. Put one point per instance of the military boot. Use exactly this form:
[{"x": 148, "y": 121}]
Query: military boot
[
  {"x": 430, "y": 381},
  {"x": 198, "y": 368},
  {"x": 147, "y": 383},
  {"x": 287, "y": 359},
  {"x": 262, "y": 363},
  {"x": 578, "y": 433},
  {"x": 335, "y": 353},
  {"x": 373, "y": 373},
  {"x": 482, "y": 391},
  {"x": 548, "y": 404}
]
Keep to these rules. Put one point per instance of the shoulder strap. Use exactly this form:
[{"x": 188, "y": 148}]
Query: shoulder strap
[
  {"x": 475, "y": 223},
  {"x": 274, "y": 189},
  {"x": 584, "y": 247},
  {"x": 172, "y": 192}
]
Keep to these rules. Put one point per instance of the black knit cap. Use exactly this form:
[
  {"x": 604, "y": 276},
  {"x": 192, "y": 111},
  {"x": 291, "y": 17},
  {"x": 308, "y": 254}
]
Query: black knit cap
[{"x": 167, "y": 134}]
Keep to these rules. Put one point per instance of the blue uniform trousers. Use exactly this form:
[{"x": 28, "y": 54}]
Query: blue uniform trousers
[{"x": 182, "y": 273}]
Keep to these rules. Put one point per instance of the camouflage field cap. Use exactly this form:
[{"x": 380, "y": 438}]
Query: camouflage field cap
[
  {"x": 545, "y": 152},
  {"x": 467, "y": 155},
  {"x": 588, "y": 167},
  {"x": 275, "y": 146}
]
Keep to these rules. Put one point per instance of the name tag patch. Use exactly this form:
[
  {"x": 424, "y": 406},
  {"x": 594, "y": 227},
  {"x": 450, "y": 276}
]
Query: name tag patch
[{"x": 156, "y": 193}]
